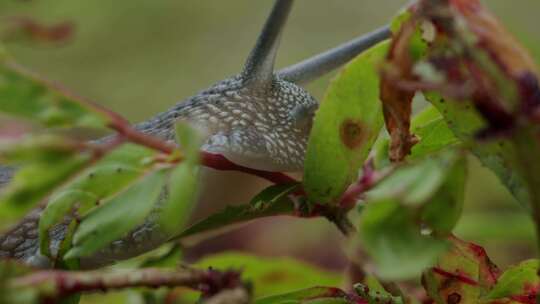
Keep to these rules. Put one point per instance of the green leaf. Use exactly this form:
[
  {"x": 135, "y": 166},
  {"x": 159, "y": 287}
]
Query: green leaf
[
  {"x": 64, "y": 247},
  {"x": 46, "y": 162},
  {"x": 520, "y": 280},
  {"x": 182, "y": 191},
  {"x": 376, "y": 297},
  {"x": 116, "y": 171},
  {"x": 24, "y": 95},
  {"x": 430, "y": 190},
  {"x": 417, "y": 182},
  {"x": 391, "y": 237},
  {"x": 427, "y": 115},
  {"x": 443, "y": 211},
  {"x": 433, "y": 133},
  {"x": 434, "y": 137},
  {"x": 527, "y": 148},
  {"x": 320, "y": 295},
  {"x": 374, "y": 285},
  {"x": 167, "y": 256},
  {"x": 402, "y": 16},
  {"x": 190, "y": 141},
  {"x": 272, "y": 201},
  {"x": 118, "y": 216},
  {"x": 499, "y": 156},
  {"x": 463, "y": 272},
  {"x": 272, "y": 275},
  {"x": 345, "y": 127},
  {"x": 182, "y": 184}
]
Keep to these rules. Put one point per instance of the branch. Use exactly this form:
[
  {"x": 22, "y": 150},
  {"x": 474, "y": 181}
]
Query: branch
[
  {"x": 369, "y": 179},
  {"x": 337, "y": 213},
  {"x": 55, "y": 284}
]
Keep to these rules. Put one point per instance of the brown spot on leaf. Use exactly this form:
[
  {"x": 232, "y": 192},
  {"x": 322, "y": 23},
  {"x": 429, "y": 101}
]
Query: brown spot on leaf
[
  {"x": 353, "y": 133},
  {"x": 453, "y": 298}
]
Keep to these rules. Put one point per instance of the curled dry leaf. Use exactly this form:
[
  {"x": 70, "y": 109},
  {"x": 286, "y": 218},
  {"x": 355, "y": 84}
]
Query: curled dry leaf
[{"x": 397, "y": 102}]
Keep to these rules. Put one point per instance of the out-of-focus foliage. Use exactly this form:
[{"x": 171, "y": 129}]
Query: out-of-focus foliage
[
  {"x": 430, "y": 190},
  {"x": 47, "y": 161},
  {"x": 484, "y": 97},
  {"x": 117, "y": 171}
]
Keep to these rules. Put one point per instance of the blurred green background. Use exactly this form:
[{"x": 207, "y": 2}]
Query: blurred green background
[{"x": 139, "y": 57}]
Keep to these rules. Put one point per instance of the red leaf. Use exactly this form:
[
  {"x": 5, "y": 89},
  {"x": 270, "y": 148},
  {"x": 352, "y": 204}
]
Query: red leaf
[{"x": 464, "y": 272}]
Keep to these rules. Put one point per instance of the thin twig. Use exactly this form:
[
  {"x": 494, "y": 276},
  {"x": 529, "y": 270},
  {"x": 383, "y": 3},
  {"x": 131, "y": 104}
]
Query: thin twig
[
  {"x": 55, "y": 284},
  {"x": 367, "y": 181}
]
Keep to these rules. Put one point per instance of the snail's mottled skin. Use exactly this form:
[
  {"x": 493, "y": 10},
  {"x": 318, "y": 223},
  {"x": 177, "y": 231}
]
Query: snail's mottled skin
[{"x": 258, "y": 119}]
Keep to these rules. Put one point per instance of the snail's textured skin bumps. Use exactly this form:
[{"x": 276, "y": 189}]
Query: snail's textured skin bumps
[
  {"x": 258, "y": 127},
  {"x": 262, "y": 128}
]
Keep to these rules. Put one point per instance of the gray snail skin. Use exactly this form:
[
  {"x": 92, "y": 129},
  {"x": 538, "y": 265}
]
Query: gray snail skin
[{"x": 259, "y": 119}]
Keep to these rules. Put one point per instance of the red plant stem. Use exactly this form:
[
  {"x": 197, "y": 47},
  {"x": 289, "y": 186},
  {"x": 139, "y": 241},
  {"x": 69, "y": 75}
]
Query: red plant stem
[
  {"x": 525, "y": 299},
  {"x": 367, "y": 181},
  {"x": 123, "y": 127},
  {"x": 349, "y": 198},
  {"x": 54, "y": 284}
]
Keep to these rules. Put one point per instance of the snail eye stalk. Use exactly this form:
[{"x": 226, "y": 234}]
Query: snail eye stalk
[{"x": 259, "y": 67}]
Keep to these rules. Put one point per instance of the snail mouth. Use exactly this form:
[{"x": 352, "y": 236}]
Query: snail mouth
[
  {"x": 283, "y": 162},
  {"x": 265, "y": 163}
]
